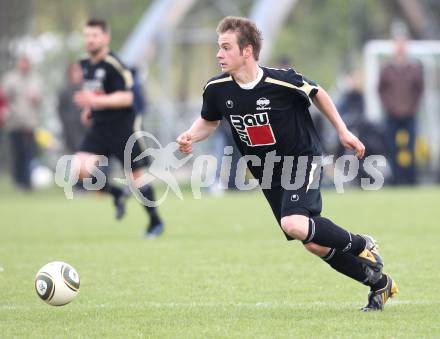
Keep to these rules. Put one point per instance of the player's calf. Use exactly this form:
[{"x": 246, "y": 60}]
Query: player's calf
[{"x": 318, "y": 250}]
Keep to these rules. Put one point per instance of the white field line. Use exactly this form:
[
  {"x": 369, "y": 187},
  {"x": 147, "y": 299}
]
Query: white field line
[{"x": 259, "y": 305}]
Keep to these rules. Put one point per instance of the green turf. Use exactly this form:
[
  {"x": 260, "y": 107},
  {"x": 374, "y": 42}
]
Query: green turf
[{"x": 223, "y": 269}]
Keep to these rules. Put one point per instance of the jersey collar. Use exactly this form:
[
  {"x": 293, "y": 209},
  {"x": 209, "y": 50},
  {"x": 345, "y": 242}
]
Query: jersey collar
[{"x": 252, "y": 84}]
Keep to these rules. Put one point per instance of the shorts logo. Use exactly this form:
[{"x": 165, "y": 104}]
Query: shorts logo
[
  {"x": 254, "y": 129},
  {"x": 263, "y": 104},
  {"x": 229, "y": 104},
  {"x": 294, "y": 198}
]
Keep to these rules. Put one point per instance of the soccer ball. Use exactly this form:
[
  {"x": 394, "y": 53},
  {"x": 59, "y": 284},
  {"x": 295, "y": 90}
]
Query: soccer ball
[{"x": 57, "y": 283}]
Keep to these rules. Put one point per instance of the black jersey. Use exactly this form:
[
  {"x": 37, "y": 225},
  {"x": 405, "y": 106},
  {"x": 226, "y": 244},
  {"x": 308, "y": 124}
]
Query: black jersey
[
  {"x": 273, "y": 116},
  {"x": 104, "y": 77}
]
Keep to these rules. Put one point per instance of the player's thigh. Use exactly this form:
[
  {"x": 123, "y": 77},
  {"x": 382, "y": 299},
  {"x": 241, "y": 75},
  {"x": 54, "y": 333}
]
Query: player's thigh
[
  {"x": 128, "y": 153},
  {"x": 306, "y": 199},
  {"x": 84, "y": 163},
  {"x": 95, "y": 141},
  {"x": 274, "y": 197}
]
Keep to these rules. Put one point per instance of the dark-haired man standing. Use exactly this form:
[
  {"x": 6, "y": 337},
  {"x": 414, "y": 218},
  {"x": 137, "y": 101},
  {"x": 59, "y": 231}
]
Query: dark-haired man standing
[{"x": 107, "y": 103}]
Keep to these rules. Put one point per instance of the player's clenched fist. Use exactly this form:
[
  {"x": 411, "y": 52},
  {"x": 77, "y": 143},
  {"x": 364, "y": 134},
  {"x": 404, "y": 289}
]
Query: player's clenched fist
[{"x": 185, "y": 142}]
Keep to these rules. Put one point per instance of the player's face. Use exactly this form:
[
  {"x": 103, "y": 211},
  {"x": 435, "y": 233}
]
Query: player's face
[
  {"x": 229, "y": 55},
  {"x": 95, "y": 39}
]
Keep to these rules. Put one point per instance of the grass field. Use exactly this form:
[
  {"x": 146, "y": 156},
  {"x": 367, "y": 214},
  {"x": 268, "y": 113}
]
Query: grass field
[{"x": 222, "y": 269}]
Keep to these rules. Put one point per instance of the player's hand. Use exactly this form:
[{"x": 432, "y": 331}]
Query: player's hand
[
  {"x": 84, "y": 99},
  {"x": 185, "y": 142},
  {"x": 86, "y": 117},
  {"x": 350, "y": 141}
]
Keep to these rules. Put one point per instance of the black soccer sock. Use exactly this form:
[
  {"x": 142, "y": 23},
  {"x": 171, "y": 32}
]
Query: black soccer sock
[
  {"x": 324, "y": 232},
  {"x": 350, "y": 266},
  {"x": 380, "y": 284},
  {"x": 109, "y": 188},
  {"x": 148, "y": 193},
  {"x": 115, "y": 191},
  {"x": 347, "y": 264}
]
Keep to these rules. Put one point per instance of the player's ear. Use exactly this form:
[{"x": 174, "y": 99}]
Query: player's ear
[
  {"x": 248, "y": 51},
  {"x": 107, "y": 38}
]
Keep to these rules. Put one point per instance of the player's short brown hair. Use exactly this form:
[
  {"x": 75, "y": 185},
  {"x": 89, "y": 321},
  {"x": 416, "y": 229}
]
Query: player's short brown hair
[
  {"x": 246, "y": 30},
  {"x": 101, "y": 23}
]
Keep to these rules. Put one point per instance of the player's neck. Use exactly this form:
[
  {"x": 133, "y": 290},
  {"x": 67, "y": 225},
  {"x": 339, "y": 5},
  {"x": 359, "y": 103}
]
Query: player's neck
[
  {"x": 94, "y": 58},
  {"x": 246, "y": 74}
]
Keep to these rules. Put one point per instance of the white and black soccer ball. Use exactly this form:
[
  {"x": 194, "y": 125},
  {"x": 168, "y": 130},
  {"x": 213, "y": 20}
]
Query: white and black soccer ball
[{"x": 57, "y": 283}]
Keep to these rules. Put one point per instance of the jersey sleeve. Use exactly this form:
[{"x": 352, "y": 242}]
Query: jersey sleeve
[
  {"x": 209, "y": 108},
  {"x": 307, "y": 87},
  {"x": 119, "y": 78}
]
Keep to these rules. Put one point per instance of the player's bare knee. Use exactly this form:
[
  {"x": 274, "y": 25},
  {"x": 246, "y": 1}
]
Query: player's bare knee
[
  {"x": 295, "y": 226},
  {"x": 80, "y": 161}
]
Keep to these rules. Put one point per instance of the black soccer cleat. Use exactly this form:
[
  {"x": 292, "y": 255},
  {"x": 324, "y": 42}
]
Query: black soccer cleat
[
  {"x": 371, "y": 261},
  {"x": 154, "y": 230},
  {"x": 377, "y": 299},
  {"x": 119, "y": 203}
]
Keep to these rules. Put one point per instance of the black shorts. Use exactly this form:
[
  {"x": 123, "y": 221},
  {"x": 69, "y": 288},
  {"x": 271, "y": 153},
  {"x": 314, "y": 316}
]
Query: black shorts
[
  {"x": 305, "y": 200},
  {"x": 110, "y": 140}
]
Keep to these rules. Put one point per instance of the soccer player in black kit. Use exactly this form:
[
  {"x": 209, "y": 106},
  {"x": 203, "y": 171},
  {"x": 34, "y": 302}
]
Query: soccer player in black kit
[
  {"x": 107, "y": 102},
  {"x": 268, "y": 112}
]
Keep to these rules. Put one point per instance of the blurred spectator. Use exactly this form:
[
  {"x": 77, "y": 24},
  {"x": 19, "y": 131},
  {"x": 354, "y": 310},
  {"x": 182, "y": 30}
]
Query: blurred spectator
[
  {"x": 2, "y": 109},
  {"x": 23, "y": 93},
  {"x": 3, "y": 104},
  {"x": 284, "y": 62},
  {"x": 400, "y": 90},
  {"x": 351, "y": 104},
  {"x": 69, "y": 112},
  {"x": 351, "y": 108}
]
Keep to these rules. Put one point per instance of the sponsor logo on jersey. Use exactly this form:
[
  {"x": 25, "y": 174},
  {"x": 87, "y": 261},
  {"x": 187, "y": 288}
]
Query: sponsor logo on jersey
[
  {"x": 263, "y": 104},
  {"x": 93, "y": 85},
  {"x": 254, "y": 129},
  {"x": 229, "y": 104},
  {"x": 100, "y": 73}
]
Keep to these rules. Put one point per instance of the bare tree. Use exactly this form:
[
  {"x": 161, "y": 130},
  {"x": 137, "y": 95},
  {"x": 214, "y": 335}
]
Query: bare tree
[{"x": 420, "y": 18}]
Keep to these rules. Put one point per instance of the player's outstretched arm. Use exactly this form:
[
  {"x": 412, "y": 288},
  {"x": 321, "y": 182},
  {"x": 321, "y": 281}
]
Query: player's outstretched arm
[
  {"x": 325, "y": 104},
  {"x": 88, "y": 99},
  {"x": 200, "y": 130}
]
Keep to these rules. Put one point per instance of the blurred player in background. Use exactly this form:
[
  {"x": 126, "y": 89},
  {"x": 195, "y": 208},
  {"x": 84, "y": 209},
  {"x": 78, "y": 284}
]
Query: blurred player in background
[
  {"x": 22, "y": 88},
  {"x": 68, "y": 111},
  {"x": 3, "y": 106},
  {"x": 268, "y": 111},
  {"x": 107, "y": 103}
]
